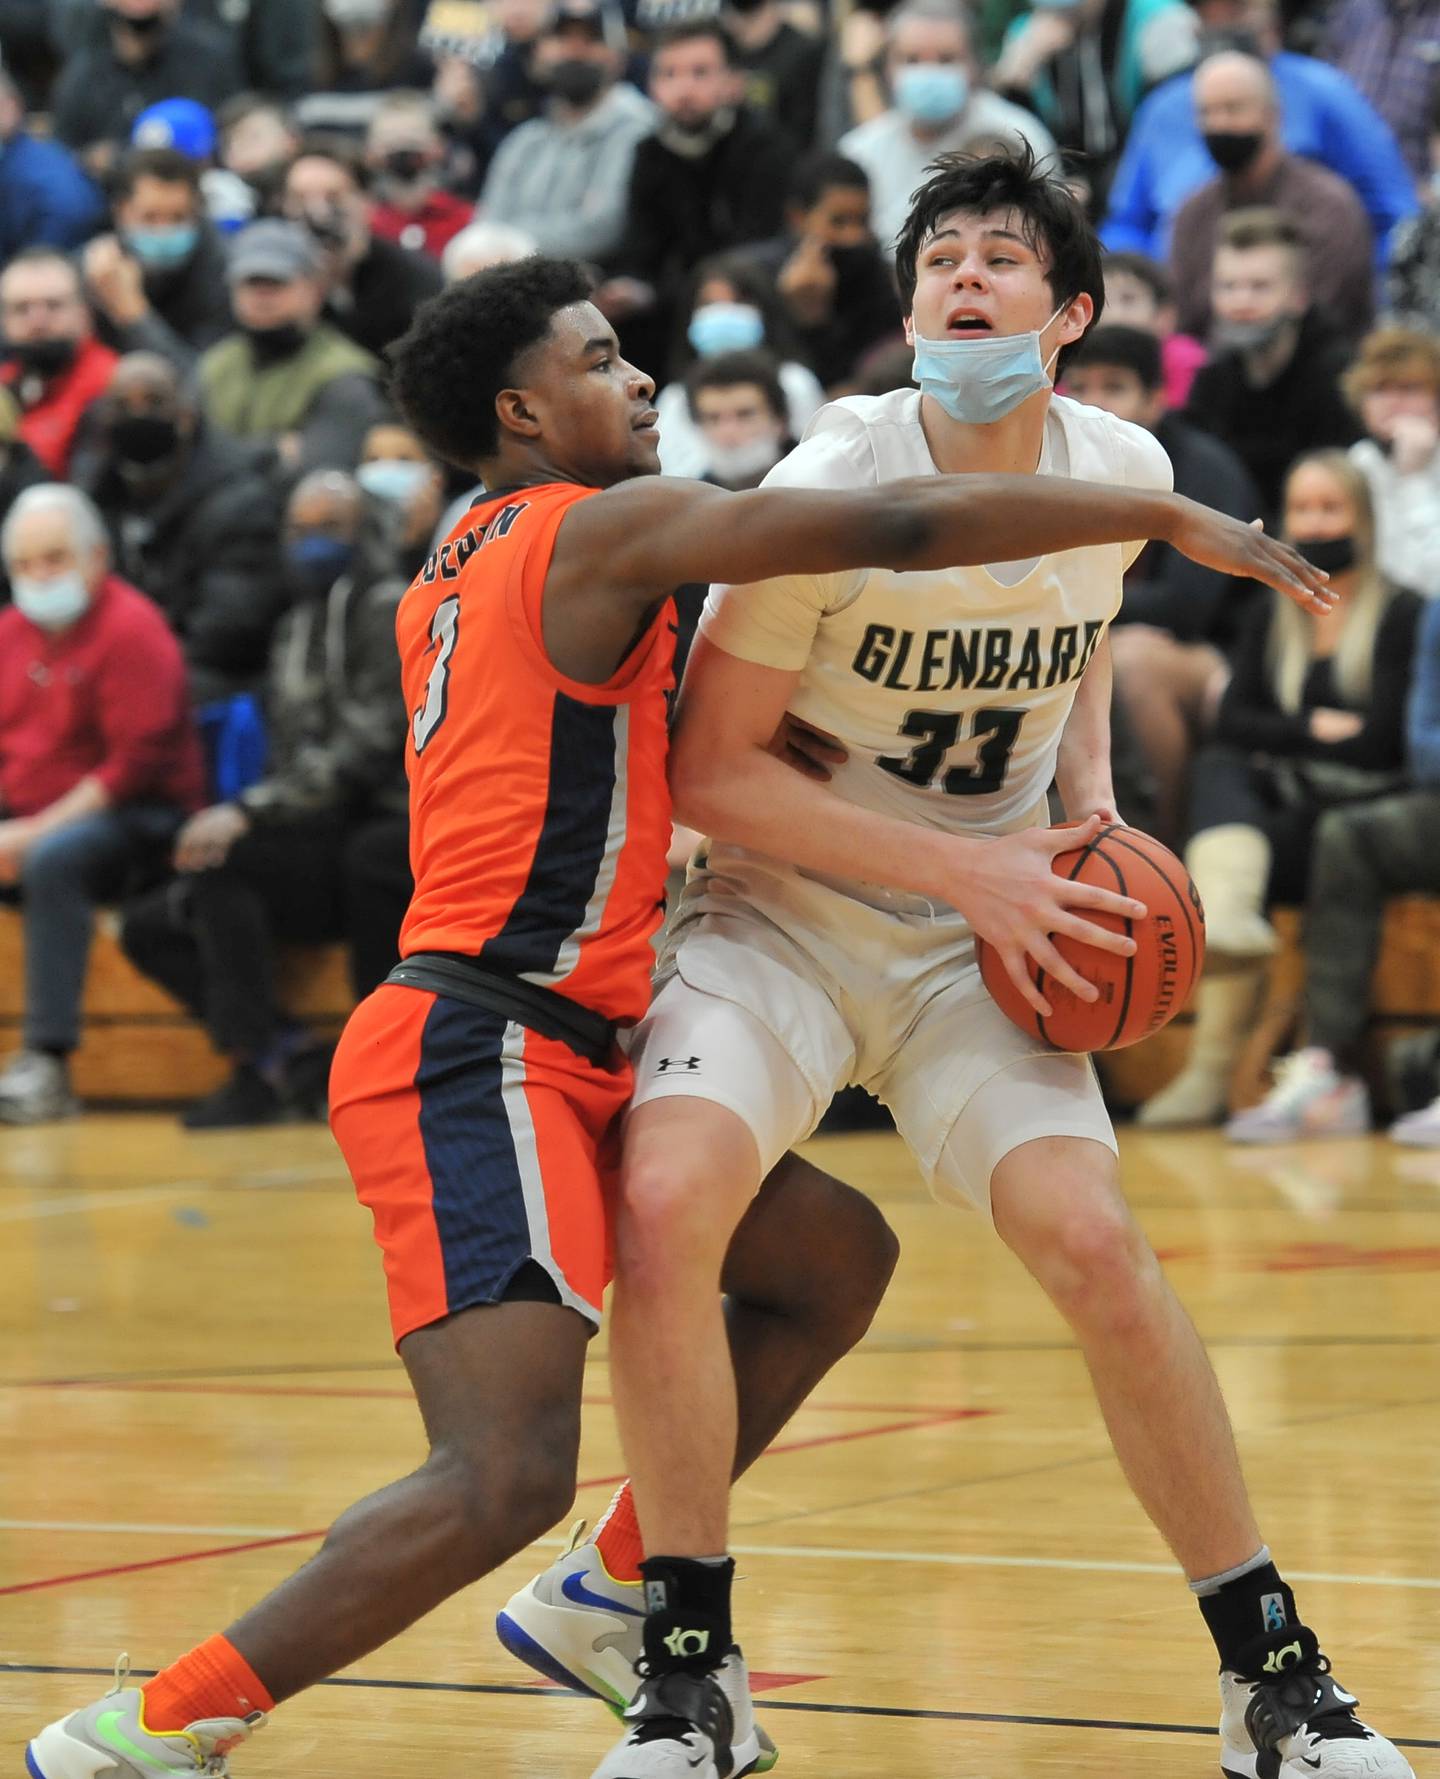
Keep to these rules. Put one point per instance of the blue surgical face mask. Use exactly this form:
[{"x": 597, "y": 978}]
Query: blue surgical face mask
[
  {"x": 395, "y": 479},
  {"x": 161, "y": 248},
  {"x": 982, "y": 380},
  {"x": 726, "y": 327},
  {"x": 53, "y": 605},
  {"x": 316, "y": 561},
  {"x": 931, "y": 92}
]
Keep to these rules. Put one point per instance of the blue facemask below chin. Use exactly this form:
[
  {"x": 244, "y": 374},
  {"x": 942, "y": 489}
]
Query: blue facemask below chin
[
  {"x": 159, "y": 248},
  {"x": 931, "y": 92},
  {"x": 980, "y": 381},
  {"x": 54, "y": 604}
]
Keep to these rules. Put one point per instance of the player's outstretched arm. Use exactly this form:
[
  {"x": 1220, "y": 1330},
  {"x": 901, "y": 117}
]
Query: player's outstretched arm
[
  {"x": 727, "y": 784},
  {"x": 649, "y": 535}
]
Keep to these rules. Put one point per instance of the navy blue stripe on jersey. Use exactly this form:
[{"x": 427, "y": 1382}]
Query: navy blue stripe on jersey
[
  {"x": 570, "y": 852},
  {"x": 479, "y": 1194}
]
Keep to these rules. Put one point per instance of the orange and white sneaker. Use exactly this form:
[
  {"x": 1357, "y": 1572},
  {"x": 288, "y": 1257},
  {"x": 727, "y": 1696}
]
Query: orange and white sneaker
[{"x": 109, "y": 1740}]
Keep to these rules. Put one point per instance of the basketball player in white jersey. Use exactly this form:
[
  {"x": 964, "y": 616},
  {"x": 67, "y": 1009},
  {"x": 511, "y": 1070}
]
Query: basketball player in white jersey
[{"x": 828, "y": 938}]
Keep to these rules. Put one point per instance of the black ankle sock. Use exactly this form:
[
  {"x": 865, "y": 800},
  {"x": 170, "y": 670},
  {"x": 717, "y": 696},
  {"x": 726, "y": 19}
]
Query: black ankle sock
[
  {"x": 1251, "y": 1607},
  {"x": 687, "y": 1604}
]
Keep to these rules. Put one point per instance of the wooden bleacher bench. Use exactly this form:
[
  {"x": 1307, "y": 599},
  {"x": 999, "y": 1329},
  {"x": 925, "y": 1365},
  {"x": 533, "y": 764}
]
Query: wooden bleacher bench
[
  {"x": 1405, "y": 995},
  {"x": 138, "y": 1047}
]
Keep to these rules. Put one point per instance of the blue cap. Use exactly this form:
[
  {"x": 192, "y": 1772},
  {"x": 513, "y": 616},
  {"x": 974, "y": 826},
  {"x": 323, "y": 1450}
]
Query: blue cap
[{"x": 184, "y": 124}]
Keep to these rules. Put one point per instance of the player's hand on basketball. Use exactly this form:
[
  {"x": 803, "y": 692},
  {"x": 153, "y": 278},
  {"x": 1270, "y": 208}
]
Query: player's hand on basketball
[
  {"x": 1015, "y": 902},
  {"x": 809, "y": 750},
  {"x": 205, "y": 840},
  {"x": 1235, "y": 548}
]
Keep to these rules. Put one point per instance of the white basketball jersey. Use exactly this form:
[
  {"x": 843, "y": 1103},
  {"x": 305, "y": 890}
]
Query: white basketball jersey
[{"x": 949, "y": 688}]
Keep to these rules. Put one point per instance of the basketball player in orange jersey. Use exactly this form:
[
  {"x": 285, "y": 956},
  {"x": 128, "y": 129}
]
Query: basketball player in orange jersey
[{"x": 475, "y": 1095}]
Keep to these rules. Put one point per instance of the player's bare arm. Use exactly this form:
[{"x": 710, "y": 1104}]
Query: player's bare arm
[
  {"x": 1082, "y": 768},
  {"x": 631, "y": 545},
  {"x": 728, "y": 783}
]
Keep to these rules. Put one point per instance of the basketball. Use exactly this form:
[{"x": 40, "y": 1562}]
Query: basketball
[{"x": 1139, "y": 994}]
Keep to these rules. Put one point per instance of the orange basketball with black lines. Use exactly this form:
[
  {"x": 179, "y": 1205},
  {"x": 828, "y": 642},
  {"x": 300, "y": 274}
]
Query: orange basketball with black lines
[{"x": 1139, "y": 994}]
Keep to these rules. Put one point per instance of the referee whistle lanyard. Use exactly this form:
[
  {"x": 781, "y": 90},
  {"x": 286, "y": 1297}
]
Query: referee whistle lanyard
[{"x": 980, "y": 381}]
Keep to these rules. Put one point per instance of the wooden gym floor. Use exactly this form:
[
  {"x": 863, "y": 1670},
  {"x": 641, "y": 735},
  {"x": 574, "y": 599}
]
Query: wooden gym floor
[{"x": 943, "y": 1572}]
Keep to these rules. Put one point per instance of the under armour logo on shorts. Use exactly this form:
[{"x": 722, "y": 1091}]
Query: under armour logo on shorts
[{"x": 691, "y": 1064}]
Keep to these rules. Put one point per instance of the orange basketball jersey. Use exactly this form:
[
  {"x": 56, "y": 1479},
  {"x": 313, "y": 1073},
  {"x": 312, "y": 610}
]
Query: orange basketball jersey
[{"x": 539, "y": 810}]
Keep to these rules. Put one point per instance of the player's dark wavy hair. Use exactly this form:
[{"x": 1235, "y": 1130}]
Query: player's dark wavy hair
[
  {"x": 1052, "y": 220},
  {"x": 461, "y": 348}
]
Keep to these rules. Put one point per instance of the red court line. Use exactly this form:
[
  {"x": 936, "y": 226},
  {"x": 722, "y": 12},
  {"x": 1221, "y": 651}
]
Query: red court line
[
  {"x": 165, "y": 1387},
  {"x": 592, "y": 1482}
]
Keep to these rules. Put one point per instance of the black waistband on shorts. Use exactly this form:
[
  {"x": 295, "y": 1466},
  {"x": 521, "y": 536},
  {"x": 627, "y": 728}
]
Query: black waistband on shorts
[{"x": 541, "y": 1010}]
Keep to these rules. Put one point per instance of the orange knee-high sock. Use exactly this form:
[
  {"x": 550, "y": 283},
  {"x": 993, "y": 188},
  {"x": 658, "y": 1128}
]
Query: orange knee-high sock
[
  {"x": 617, "y": 1537},
  {"x": 214, "y": 1680}
]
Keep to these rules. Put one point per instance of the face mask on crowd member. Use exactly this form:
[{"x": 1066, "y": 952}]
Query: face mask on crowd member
[
  {"x": 404, "y": 152},
  {"x": 739, "y": 406},
  {"x": 149, "y": 422},
  {"x": 1257, "y": 295},
  {"x": 43, "y": 316},
  {"x": 275, "y": 287},
  {"x": 55, "y": 554},
  {"x": 138, "y": 28},
  {"x": 1320, "y": 518},
  {"x": 396, "y": 468},
  {"x": 158, "y": 210},
  {"x": 1238, "y": 112},
  {"x": 324, "y": 193},
  {"x": 322, "y": 523},
  {"x": 931, "y": 66},
  {"x": 574, "y": 58}
]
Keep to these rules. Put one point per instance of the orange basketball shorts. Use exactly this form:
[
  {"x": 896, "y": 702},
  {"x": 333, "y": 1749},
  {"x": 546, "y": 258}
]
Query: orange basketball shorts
[{"x": 477, "y": 1145}]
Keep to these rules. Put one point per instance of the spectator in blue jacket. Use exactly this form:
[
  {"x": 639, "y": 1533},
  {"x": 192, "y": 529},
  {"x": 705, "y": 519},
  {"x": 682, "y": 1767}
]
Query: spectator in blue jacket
[
  {"x": 45, "y": 198},
  {"x": 1324, "y": 118}
]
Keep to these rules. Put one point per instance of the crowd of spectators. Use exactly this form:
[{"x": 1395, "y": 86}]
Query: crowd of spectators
[{"x": 215, "y": 215}]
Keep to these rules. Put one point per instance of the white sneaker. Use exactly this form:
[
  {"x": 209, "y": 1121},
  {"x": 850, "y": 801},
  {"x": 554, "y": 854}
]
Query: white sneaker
[
  {"x": 1418, "y": 1130},
  {"x": 109, "y": 1740},
  {"x": 577, "y": 1625},
  {"x": 1300, "y": 1724},
  {"x": 681, "y": 1727},
  {"x": 1310, "y": 1098},
  {"x": 35, "y": 1088}
]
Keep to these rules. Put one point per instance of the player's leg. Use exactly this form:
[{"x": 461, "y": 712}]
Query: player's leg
[
  {"x": 454, "y": 1137},
  {"x": 697, "y": 1142},
  {"x": 1026, "y": 1138}
]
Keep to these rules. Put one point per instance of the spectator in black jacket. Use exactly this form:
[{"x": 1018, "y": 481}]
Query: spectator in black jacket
[
  {"x": 836, "y": 286},
  {"x": 373, "y": 286},
  {"x": 271, "y": 867},
  {"x": 781, "y": 67},
  {"x": 1179, "y": 620},
  {"x": 149, "y": 52},
  {"x": 1272, "y": 388},
  {"x": 194, "y": 521},
  {"x": 158, "y": 283},
  {"x": 712, "y": 176}
]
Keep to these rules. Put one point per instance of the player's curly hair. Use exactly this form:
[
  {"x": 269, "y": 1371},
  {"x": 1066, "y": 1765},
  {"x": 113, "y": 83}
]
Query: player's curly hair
[{"x": 460, "y": 351}]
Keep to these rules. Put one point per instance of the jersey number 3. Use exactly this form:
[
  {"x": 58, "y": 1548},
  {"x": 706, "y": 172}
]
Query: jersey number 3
[
  {"x": 444, "y": 628},
  {"x": 937, "y": 731}
]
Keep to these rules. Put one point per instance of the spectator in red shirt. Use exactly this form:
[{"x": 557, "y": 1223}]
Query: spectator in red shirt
[
  {"x": 405, "y": 154},
  {"x": 99, "y": 764},
  {"x": 52, "y": 360}
]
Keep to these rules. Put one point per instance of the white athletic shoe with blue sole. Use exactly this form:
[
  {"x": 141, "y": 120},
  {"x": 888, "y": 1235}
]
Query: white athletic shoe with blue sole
[{"x": 579, "y": 1627}]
